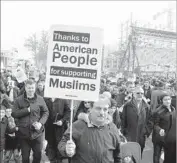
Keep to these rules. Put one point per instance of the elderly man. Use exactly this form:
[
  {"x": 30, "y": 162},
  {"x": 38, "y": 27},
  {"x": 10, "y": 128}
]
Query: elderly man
[
  {"x": 31, "y": 114},
  {"x": 95, "y": 141},
  {"x": 135, "y": 119}
]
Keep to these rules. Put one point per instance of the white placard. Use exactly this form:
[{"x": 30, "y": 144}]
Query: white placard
[{"x": 74, "y": 62}]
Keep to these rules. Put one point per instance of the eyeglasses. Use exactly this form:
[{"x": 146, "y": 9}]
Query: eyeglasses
[
  {"x": 139, "y": 93},
  {"x": 86, "y": 102}
]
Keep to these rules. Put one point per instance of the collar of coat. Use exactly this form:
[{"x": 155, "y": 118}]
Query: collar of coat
[
  {"x": 90, "y": 124},
  {"x": 133, "y": 103},
  {"x": 163, "y": 108}
]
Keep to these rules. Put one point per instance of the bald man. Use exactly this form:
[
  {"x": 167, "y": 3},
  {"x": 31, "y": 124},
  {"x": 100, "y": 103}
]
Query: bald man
[
  {"x": 136, "y": 124},
  {"x": 93, "y": 142}
]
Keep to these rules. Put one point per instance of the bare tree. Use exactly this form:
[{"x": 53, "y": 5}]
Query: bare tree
[{"x": 38, "y": 47}]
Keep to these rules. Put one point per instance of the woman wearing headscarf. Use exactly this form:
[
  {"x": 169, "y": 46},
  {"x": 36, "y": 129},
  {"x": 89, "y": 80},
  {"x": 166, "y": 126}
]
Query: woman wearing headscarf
[{"x": 84, "y": 107}]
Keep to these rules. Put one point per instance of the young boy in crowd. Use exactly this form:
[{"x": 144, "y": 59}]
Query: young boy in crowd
[
  {"x": 4, "y": 129},
  {"x": 11, "y": 142}
]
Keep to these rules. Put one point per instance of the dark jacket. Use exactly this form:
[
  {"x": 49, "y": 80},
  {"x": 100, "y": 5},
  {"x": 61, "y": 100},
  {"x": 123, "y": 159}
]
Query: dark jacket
[
  {"x": 93, "y": 145},
  {"x": 163, "y": 119},
  {"x": 58, "y": 110},
  {"x": 24, "y": 119},
  {"x": 173, "y": 101},
  {"x": 116, "y": 119},
  {"x": 135, "y": 127}
]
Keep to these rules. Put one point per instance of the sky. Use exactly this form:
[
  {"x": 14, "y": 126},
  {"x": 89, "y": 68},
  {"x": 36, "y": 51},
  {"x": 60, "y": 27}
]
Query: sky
[{"x": 20, "y": 19}]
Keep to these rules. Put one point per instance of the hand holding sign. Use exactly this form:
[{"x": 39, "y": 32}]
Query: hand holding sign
[
  {"x": 58, "y": 123},
  {"x": 70, "y": 148}
]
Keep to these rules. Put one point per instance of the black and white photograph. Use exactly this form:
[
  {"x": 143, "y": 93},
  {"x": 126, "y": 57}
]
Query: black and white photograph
[{"x": 88, "y": 81}]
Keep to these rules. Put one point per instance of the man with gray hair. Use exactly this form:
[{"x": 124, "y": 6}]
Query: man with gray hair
[
  {"x": 95, "y": 141},
  {"x": 136, "y": 125}
]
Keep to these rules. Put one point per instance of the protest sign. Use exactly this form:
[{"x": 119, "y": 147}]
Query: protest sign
[
  {"x": 74, "y": 62},
  {"x": 20, "y": 75}
]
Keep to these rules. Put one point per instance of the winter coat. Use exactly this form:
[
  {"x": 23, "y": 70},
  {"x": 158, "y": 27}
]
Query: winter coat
[
  {"x": 93, "y": 144},
  {"x": 135, "y": 127},
  {"x": 163, "y": 119},
  {"x": 173, "y": 101},
  {"x": 116, "y": 119},
  {"x": 24, "y": 119},
  {"x": 58, "y": 110}
]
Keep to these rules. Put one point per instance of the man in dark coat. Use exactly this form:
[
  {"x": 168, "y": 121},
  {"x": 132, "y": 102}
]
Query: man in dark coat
[
  {"x": 59, "y": 116},
  {"x": 31, "y": 113},
  {"x": 135, "y": 119}
]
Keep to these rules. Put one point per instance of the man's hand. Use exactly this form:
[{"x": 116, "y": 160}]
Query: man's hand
[
  {"x": 148, "y": 100},
  {"x": 58, "y": 123},
  {"x": 70, "y": 148},
  {"x": 37, "y": 125},
  {"x": 162, "y": 132},
  {"x": 16, "y": 128}
]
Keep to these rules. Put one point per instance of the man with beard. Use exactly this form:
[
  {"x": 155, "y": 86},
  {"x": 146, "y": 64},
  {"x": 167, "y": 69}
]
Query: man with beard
[{"x": 95, "y": 141}]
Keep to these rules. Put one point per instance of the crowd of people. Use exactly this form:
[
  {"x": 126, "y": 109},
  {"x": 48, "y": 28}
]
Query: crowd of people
[{"x": 128, "y": 109}]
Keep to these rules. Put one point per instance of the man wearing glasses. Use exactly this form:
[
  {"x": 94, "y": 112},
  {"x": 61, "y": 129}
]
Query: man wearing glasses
[
  {"x": 95, "y": 141},
  {"x": 136, "y": 125}
]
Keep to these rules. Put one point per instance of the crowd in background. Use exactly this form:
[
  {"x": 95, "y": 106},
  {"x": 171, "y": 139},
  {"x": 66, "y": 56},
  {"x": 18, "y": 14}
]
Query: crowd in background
[{"x": 139, "y": 108}]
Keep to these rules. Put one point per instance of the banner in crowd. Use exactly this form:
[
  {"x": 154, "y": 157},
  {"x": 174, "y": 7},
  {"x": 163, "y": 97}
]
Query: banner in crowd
[{"x": 74, "y": 62}]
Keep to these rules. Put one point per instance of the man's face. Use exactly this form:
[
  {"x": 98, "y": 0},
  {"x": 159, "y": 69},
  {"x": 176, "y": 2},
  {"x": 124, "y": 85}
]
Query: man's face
[
  {"x": 138, "y": 94},
  {"x": 30, "y": 90},
  {"x": 2, "y": 114},
  {"x": 167, "y": 101},
  {"x": 146, "y": 84},
  {"x": 115, "y": 90},
  {"x": 131, "y": 88},
  {"x": 99, "y": 112},
  {"x": 8, "y": 112},
  {"x": 40, "y": 86}
]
